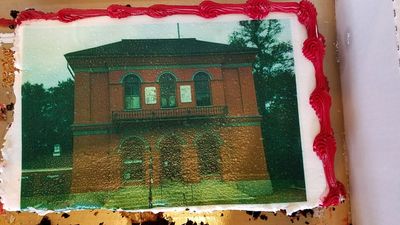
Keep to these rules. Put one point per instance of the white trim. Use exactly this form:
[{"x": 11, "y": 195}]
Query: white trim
[
  {"x": 121, "y": 81},
  {"x": 202, "y": 71},
  {"x": 47, "y": 170},
  {"x": 7, "y": 38}
]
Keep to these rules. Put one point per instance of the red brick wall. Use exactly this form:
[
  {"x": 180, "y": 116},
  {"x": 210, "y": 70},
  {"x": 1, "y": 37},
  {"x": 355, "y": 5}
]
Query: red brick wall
[
  {"x": 100, "y": 103},
  {"x": 248, "y": 91},
  {"x": 242, "y": 154},
  {"x": 92, "y": 102},
  {"x": 116, "y": 102},
  {"x": 240, "y": 95},
  {"x": 96, "y": 166},
  {"x": 232, "y": 91},
  {"x": 97, "y": 162},
  {"x": 82, "y": 98}
]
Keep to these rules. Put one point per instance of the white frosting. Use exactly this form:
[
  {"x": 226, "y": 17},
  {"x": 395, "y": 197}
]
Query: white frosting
[
  {"x": 6, "y": 38},
  {"x": 10, "y": 174}
]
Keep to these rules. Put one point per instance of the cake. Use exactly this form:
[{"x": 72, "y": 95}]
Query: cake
[{"x": 172, "y": 112}]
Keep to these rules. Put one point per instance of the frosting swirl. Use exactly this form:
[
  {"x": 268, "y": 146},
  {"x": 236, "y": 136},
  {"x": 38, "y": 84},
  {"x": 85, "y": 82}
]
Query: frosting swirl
[
  {"x": 314, "y": 48},
  {"x": 323, "y": 143},
  {"x": 30, "y": 14},
  {"x": 7, "y": 23},
  {"x": 210, "y": 9},
  {"x": 118, "y": 11},
  {"x": 157, "y": 11},
  {"x": 307, "y": 14},
  {"x": 335, "y": 195},
  {"x": 68, "y": 15},
  {"x": 257, "y": 9},
  {"x": 320, "y": 100}
]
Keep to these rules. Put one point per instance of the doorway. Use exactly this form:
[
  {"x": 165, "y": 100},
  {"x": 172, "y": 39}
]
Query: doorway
[
  {"x": 132, "y": 152},
  {"x": 171, "y": 160}
]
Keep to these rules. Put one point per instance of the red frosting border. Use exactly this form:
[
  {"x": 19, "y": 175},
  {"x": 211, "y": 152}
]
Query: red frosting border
[{"x": 313, "y": 49}]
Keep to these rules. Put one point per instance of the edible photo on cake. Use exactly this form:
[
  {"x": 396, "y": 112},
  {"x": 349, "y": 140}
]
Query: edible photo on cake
[{"x": 160, "y": 114}]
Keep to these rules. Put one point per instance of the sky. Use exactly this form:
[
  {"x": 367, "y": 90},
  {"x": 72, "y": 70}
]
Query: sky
[{"x": 44, "y": 43}]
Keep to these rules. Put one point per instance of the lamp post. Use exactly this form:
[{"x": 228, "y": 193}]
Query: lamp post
[{"x": 151, "y": 179}]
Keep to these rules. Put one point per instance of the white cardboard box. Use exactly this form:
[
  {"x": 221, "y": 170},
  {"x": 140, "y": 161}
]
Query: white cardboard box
[{"x": 370, "y": 77}]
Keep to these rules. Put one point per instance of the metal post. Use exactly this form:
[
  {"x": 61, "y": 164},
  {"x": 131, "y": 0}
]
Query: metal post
[
  {"x": 151, "y": 180},
  {"x": 179, "y": 32},
  {"x": 191, "y": 188}
]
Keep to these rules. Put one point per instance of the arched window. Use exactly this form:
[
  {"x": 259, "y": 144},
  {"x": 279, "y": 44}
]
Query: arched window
[
  {"x": 132, "y": 92},
  {"x": 208, "y": 147},
  {"x": 202, "y": 89},
  {"x": 171, "y": 157},
  {"x": 168, "y": 90},
  {"x": 132, "y": 152}
]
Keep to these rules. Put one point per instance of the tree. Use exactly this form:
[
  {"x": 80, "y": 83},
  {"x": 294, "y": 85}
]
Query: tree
[
  {"x": 34, "y": 104},
  {"x": 47, "y": 116},
  {"x": 61, "y": 114},
  {"x": 275, "y": 84}
]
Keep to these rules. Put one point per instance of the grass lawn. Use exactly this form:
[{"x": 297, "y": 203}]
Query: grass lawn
[{"x": 172, "y": 194}]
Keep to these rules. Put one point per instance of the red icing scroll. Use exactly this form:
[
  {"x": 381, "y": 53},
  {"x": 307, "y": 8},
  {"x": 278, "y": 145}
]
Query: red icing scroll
[
  {"x": 313, "y": 49},
  {"x": 7, "y": 23}
]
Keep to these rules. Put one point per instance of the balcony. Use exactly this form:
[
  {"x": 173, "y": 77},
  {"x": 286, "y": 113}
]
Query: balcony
[{"x": 169, "y": 114}]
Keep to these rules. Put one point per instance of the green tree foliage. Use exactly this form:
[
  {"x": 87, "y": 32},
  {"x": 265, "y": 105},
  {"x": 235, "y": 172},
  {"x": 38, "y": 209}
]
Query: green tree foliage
[
  {"x": 33, "y": 123},
  {"x": 275, "y": 86},
  {"x": 47, "y": 115}
]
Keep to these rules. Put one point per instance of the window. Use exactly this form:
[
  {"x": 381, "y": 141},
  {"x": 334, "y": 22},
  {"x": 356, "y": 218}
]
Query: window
[
  {"x": 168, "y": 90},
  {"x": 132, "y": 150},
  {"x": 202, "y": 89},
  {"x": 171, "y": 158},
  {"x": 132, "y": 92},
  {"x": 57, "y": 150},
  {"x": 208, "y": 147}
]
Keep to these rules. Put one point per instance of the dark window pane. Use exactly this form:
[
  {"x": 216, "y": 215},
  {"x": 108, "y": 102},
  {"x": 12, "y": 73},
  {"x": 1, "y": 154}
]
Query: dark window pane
[
  {"x": 202, "y": 89},
  {"x": 168, "y": 90},
  {"x": 208, "y": 146},
  {"x": 170, "y": 156},
  {"x": 132, "y": 151},
  {"x": 132, "y": 92}
]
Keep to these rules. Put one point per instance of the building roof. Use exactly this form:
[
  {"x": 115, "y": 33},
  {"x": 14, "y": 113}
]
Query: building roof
[{"x": 160, "y": 47}]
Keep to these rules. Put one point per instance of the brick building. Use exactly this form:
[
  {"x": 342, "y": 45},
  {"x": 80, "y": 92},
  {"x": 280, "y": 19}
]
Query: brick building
[{"x": 166, "y": 109}]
